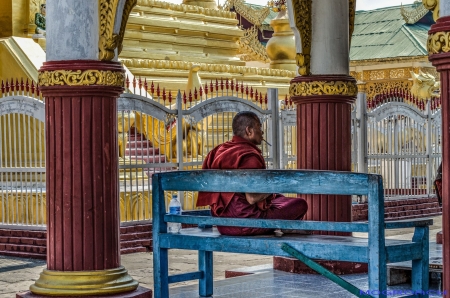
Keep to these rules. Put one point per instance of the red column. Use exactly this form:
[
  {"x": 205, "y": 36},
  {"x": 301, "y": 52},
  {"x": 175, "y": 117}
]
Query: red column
[
  {"x": 438, "y": 48},
  {"x": 83, "y": 253},
  {"x": 82, "y": 167},
  {"x": 324, "y": 135}
]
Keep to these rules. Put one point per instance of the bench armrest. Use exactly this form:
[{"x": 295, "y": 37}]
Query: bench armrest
[{"x": 408, "y": 223}]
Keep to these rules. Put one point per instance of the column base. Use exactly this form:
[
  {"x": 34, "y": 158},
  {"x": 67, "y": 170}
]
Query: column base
[
  {"x": 293, "y": 265},
  {"x": 140, "y": 292},
  {"x": 84, "y": 283}
]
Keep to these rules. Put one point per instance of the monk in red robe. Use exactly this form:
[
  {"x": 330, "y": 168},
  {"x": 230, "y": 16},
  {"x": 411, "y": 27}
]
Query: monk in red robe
[{"x": 242, "y": 153}]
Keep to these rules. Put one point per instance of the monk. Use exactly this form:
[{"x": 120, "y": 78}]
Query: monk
[{"x": 242, "y": 153}]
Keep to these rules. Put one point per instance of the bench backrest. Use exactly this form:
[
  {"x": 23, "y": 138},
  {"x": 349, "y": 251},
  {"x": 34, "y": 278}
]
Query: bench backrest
[{"x": 279, "y": 181}]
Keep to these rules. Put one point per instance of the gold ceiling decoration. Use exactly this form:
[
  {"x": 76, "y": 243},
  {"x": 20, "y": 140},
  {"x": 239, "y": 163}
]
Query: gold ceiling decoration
[
  {"x": 184, "y": 8},
  {"x": 346, "y": 88},
  {"x": 250, "y": 46},
  {"x": 303, "y": 20},
  {"x": 82, "y": 78}
]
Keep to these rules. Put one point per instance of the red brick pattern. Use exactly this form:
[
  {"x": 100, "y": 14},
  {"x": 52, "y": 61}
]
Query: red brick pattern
[
  {"x": 33, "y": 244},
  {"x": 401, "y": 209}
]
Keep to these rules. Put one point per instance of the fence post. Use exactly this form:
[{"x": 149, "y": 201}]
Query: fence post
[
  {"x": 180, "y": 140},
  {"x": 361, "y": 127},
  {"x": 429, "y": 150},
  {"x": 273, "y": 106}
]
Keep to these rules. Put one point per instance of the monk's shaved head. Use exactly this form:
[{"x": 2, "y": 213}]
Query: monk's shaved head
[{"x": 242, "y": 120}]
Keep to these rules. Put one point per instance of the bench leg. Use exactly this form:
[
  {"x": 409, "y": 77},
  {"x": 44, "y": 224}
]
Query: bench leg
[
  {"x": 160, "y": 272},
  {"x": 420, "y": 268},
  {"x": 205, "y": 265}
]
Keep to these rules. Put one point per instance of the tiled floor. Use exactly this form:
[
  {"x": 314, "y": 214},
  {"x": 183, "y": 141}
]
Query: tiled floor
[{"x": 278, "y": 284}]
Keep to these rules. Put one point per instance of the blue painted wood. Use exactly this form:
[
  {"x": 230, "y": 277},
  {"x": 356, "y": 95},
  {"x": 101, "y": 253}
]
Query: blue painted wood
[
  {"x": 205, "y": 264},
  {"x": 420, "y": 267},
  {"x": 185, "y": 277},
  {"x": 376, "y": 250},
  {"x": 284, "y": 181},
  {"x": 323, "y": 271},
  {"x": 269, "y": 223}
]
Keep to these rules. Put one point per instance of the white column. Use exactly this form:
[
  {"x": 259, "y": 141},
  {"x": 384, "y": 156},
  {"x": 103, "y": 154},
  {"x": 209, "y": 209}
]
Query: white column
[
  {"x": 330, "y": 34},
  {"x": 444, "y": 8},
  {"x": 72, "y": 30}
]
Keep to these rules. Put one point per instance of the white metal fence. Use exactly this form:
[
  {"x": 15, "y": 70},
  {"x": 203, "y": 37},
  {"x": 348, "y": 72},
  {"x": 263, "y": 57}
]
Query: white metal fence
[{"x": 160, "y": 131}]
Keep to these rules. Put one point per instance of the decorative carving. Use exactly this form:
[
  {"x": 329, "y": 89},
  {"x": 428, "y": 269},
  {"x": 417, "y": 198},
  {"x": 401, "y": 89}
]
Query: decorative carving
[
  {"x": 375, "y": 88},
  {"x": 206, "y": 67},
  {"x": 303, "y": 20},
  {"x": 424, "y": 85},
  {"x": 250, "y": 46},
  {"x": 432, "y": 5},
  {"x": 254, "y": 16},
  {"x": 82, "y": 78},
  {"x": 347, "y": 88},
  {"x": 108, "y": 40},
  {"x": 438, "y": 42},
  {"x": 386, "y": 74},
  {"x": 34, "y": 8},
  {"x": 413, "y": 16},
  {"x": 184, "y": 8},
  {"x": 351, "y": 27}
]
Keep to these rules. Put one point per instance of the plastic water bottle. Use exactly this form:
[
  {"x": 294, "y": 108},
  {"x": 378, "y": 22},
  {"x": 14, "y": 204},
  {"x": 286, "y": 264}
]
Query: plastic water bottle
[{"x": 174, "y": 208}]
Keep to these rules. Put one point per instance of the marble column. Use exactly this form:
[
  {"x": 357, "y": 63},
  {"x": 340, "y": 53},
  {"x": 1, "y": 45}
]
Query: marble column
[
  {"x": 439, "y": 55},
  {"x": 323, "y": 93},
  {"x": 81, "y": 82}
]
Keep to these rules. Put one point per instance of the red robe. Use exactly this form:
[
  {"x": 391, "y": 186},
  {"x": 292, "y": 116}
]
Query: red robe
[
  {"x": 242, "y": 154},
  {"x": 235, "y": 154}
]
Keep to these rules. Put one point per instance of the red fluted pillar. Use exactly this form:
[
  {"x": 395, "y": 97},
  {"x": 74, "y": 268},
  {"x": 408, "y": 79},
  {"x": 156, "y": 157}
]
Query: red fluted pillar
[
  {"x": 438, "y": 48},
  {"x": 324, "y": 135},
  {"x": 83, "y": 253}
]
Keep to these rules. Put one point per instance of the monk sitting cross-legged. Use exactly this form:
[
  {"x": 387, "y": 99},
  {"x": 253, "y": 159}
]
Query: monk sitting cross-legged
[{"x": 242, "y": 153}]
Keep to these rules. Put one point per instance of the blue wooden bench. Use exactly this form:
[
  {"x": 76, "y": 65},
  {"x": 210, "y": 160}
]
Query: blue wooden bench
[{"x": 376, "y": 250}]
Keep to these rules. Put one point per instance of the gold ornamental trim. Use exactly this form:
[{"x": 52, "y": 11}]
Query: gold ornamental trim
[
  {"x": 254, "y": 16},
  {"x": 432, "y": 5},
  {"x": 345, "y": 88},
  {"x": 303, "y": 20},
  {"x": 438, "y": 42},
  {"x": 84, "y": 283},
  {"x": 81, "y": 78},
  {"x": 250, "y": 46},
  {"x": 351, "y": 18}
]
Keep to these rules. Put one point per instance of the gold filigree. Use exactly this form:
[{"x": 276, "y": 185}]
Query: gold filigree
[
  {"x": 303, "y": 21},
  {"x": 347, "y": 88},
  {"x": 250, "y": 46},
  {"x": 351, "y": 27},
  {"x": 206, "y": 67},
  {"x": 386, "y": 74},
  {"x": 375, "y": 88},
  {"x": 254, "y": 16},
  {"x": 82, "y": 78},
  {"x": 361, "y": 87},
  {"x": 438, "y": 42},
  {"x": 108, "y": 41},
  {"x": 432, "y": 5}
]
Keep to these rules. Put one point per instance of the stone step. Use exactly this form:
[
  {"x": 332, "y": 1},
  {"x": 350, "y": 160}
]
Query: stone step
[
  {"x": 142, "y": 152},
  {"x": 149, "y": 159},
  {"x": 138, "y": 144}
]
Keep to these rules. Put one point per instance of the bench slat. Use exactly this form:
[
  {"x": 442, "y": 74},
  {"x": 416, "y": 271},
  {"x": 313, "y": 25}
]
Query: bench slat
[
  {"x": 284, "y": 181},
  {"x": 269, "y": 223},
  {"x": 403, "y": 252}
]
